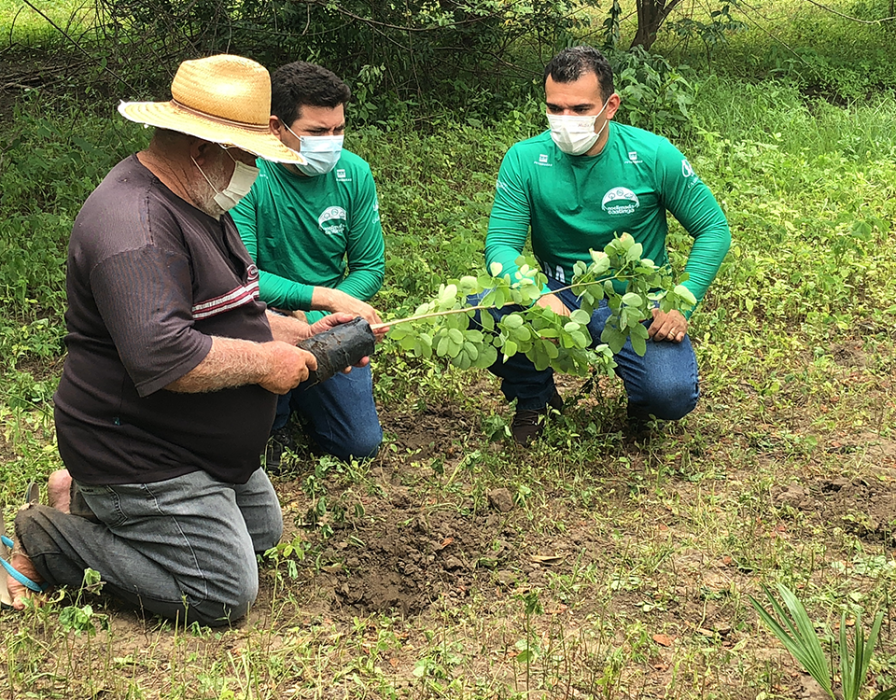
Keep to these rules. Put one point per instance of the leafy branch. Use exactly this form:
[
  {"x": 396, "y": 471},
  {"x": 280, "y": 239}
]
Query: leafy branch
[{"x": 632, "y": 286}]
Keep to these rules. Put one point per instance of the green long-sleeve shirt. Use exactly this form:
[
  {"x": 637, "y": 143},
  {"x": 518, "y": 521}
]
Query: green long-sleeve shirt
[
  {"x": 576, "y": 203},
  {"x": 305, "y": 232}
]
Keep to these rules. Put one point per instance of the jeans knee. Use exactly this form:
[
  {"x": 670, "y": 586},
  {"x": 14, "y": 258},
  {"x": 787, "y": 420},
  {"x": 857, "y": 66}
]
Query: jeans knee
[
  {"x": 362, "y": 445},
  {"x": 268, "y": 538},
  {"x": 667, "y": 405},
  {"x": 362, "y": 442},
  {"x": 244, "y": 592},
  {"x": 677, "y": 408},
  {"x": 213, "y": 614}
]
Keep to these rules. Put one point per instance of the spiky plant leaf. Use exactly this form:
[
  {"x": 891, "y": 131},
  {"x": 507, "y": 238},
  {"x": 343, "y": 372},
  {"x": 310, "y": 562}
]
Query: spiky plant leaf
[
  {"x": 854, "y": 663},
  {"x": 800, "y": 637}
]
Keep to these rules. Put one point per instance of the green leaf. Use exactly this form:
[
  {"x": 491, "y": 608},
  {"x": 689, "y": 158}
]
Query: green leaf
[
  {"x": 539, "y": 358},
  {"x": 469, "y": 285},
  {"x": 581, "y": 338},
  {"x": 612, "y": 337},
  {"x": 513, "y": 321},
  {"x": 447, "y": 294},
  {"x": 550, "y": 349},
  {"x": 510, "y": 348},
  {"x": 638, "y": 344},
  {"x": 580, "y": 316},
  {"x": 488, "y": 355},
  {"x": 685, "y": 294}
]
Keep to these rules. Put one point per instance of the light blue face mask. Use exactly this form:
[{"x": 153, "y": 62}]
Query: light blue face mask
[{"x": 321, "y": 152}]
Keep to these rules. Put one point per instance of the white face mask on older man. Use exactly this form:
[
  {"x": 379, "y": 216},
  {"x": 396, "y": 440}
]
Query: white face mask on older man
[{"x": 240, "y": 183}]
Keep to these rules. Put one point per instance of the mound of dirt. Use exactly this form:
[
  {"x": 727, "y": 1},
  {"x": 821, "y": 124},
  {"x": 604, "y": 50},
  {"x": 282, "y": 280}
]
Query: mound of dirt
[{"x": 411, "y": 554}]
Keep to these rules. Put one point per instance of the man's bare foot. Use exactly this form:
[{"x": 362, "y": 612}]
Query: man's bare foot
[
  {"x": 59, "y": 490},
  {"x": 18, "y": 591}
]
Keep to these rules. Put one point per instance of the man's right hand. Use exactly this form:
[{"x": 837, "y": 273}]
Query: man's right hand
[
  {"x": 553, "y": 302},
  {"x": 335, "y": 301},
  {"x": 288, "y": 366}
]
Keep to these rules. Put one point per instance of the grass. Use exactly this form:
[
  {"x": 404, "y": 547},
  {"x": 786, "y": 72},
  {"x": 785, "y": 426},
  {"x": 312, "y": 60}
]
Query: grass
[
  {"x": 24, "y": 26},
  {"x": 625, "y": 563}
]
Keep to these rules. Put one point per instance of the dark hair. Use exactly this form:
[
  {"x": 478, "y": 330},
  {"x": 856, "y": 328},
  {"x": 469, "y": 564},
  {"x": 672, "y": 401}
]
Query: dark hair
[
  {"x": 302, "y": 83},
  {"x": 571, "y": 64}
]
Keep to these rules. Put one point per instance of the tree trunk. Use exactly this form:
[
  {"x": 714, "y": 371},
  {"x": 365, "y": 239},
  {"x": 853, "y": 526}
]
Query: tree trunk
[{"x": 651, "y": 15}]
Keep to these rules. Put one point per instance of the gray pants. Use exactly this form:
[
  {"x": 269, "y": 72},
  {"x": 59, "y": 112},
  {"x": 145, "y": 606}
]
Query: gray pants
[{"x": 182, "y": 548}]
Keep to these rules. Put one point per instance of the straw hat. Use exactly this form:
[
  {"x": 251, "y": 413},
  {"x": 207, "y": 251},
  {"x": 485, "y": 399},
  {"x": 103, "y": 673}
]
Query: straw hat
[{"x": 224, "y": 99}]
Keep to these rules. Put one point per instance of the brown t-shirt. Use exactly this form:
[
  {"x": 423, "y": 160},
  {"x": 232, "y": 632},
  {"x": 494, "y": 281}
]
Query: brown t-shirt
[{"x": 150, "y": 280}]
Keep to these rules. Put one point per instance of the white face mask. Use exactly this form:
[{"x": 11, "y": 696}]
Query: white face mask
[
  {"x": 240, "y": 183},
  {"x": 321, "y": 152},
  {"x": 573, "y": 134}
]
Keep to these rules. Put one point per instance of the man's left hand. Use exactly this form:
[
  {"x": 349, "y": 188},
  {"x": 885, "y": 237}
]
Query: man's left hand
[{"x": 671, "y": 326}]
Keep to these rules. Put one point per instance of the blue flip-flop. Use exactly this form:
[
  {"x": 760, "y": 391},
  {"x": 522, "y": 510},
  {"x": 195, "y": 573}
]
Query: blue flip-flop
[{"x": 6, "y": 545}]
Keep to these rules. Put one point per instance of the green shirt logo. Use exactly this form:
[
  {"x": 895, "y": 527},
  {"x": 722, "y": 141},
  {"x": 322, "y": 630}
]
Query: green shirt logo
[
  {"x": 619, "y": 201},
  {"x": 332, "y": 221}
]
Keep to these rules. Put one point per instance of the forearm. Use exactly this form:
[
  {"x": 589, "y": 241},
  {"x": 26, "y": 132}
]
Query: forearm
[
  {"x": 362, "y": 283},
  {"x": 230, "y": 363},
  {"x": 502, "y": 253},
  {"x": 706, "y": 258},
  {"x": 326, "y": 299},
  {"x": 282, "y": 293},
  {"x": 289, "y": 329}
]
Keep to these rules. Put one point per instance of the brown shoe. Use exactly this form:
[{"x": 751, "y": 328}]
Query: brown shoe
[{"x": 528, "y": 425}]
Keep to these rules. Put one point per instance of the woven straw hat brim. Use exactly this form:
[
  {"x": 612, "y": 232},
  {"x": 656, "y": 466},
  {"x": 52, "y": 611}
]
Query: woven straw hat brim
[{"x": 254, "y": 139}]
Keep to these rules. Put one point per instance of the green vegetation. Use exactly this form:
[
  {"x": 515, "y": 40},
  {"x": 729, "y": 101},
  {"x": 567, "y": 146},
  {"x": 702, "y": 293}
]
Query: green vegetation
[
  {"x": 601, "y": 563},
  {"x": 803, "y": 642}
]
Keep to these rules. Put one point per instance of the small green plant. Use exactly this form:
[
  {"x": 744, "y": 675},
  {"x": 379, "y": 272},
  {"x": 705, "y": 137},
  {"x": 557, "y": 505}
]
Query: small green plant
[
  {"x": 803, "y": 642},
  {"x": 631, "y": 285},
  {"x": 81, "y": 618}
]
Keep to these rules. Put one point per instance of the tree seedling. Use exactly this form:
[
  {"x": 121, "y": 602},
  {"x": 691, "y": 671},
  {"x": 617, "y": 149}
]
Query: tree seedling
[{"x": 632, "y": 286}]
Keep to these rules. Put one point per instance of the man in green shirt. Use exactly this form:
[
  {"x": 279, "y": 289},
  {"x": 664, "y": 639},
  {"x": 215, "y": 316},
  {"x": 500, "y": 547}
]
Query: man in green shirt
[
  {"x": 575, "y": 187},
  {"x": 314, "y": 232}
]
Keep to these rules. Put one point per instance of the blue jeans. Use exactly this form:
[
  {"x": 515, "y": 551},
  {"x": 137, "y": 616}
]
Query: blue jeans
[
  {"x": 662, "y": 384},
  {"x": 183, "y": 548},
  {"x": 340, "y": 414}
]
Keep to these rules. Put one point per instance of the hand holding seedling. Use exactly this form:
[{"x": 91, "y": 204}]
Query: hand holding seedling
[
  {"x": 287, "y": 366},
  {"x": 671, "y": 326},
  {"x": 336, "y": 301}
]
